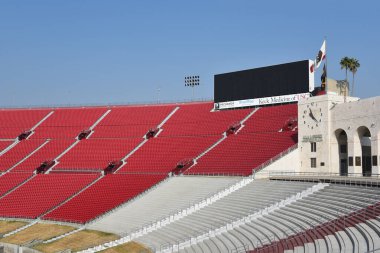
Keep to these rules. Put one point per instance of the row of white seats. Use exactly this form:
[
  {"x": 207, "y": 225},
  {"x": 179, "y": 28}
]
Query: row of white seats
[
  {"x": 175, "y": 194},
  {"x": 254, "y": 196},
  {"x": 315, "y": 209}
]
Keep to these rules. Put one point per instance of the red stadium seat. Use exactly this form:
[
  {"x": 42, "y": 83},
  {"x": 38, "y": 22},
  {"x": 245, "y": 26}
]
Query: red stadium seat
[
  {"x": 107, "y": 193},
  {"x": 13, "y": 122},
  {"x": 42, "y": 193},
  {"x": 187, "y": 134}
]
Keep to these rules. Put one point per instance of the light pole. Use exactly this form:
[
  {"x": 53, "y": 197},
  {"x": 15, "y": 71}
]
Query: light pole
[{"x": 192, "y": 81}]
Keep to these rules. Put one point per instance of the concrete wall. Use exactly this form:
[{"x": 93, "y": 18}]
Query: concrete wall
[
  {"x": 330, "y": 115},
  {"x": 287, "y": 163}
]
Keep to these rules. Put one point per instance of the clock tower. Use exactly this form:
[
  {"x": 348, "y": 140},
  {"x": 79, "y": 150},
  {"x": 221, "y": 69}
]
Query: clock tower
[{"x": 315, "y": 132}]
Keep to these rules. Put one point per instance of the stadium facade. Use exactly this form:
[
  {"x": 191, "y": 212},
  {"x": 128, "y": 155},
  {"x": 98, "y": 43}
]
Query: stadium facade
[{"x": 339, "y": 135}]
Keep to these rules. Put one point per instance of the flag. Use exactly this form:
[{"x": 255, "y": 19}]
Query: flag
[
  {"x": 321, "y": 55},
  {"x": 323, "y": 78}
]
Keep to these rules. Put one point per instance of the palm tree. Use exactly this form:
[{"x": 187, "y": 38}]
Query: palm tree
[
  {"x": 353, "y": 67},
  {"x": 345, "y": 64}
]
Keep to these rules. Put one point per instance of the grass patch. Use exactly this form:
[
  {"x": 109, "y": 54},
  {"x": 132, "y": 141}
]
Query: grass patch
[
  {"x": 130, "y": 247},
  {"x": 8, "y": 226},
  {"x": 77, "y": 241},
  {"x": 38, "y": 231}
]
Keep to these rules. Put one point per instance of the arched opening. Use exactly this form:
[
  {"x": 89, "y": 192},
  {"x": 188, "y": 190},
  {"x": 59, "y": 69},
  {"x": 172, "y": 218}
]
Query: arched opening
[
  {"x": 341, "y": 137},
  {"x": 365, "y": 143}
]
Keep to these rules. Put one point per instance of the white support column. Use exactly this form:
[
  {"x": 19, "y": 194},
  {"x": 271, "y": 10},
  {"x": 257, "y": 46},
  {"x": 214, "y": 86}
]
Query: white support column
[
  {"x": 351, "y": 152},
  {"x": 357, "y": 153},
  {"x": 375, "y": 152}
]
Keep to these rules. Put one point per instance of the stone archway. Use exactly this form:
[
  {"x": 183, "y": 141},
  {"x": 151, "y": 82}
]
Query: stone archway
[
  {"x": 366, "y": 150},
  {"x": 341, "y": 138}
]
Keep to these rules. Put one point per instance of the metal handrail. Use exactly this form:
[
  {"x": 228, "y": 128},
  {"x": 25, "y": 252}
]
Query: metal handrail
[
  {"x": 275, "y": 158},
  {"x": 355, "y": 179}
]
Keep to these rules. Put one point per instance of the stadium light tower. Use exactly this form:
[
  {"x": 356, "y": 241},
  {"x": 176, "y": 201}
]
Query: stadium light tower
[{"x": 192, "y": 81}]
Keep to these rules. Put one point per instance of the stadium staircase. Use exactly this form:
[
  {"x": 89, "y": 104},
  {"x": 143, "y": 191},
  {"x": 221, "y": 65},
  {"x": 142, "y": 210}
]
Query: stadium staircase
[
  {"x": 242, "y": 122},
  {"x": 168, "y": 117},
  {"x": 41, "y": 121},
  {"x": 99, "y": 120}
]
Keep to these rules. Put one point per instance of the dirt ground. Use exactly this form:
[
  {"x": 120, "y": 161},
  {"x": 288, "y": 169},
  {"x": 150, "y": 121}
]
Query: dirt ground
[
  {"x": 130, "y": 247},
  {"x": 38, "y": 231},
  {"x": 8, "y": 226},
  {"x": 77, "y": 241}
]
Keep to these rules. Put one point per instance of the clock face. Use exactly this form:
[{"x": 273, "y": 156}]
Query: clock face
[{"x": 312, "y": 116}]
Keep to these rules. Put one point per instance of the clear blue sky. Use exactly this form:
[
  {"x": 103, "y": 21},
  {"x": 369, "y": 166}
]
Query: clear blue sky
[{"x": 89, "y": 51}]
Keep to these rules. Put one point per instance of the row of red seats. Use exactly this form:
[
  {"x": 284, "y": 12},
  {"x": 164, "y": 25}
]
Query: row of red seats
[
  {"x": 48, "y": 152},
  {"x": 189, "y": 120},
  {"x": 42, "y": 193},
  {"x": 4, "y": 144},
  {"x": 131, "y": 121},
  {"x": 162, "y": 154},
  {"x": 198, "y": 119},
  {"x": 104, "y": 195},
  {"x": 181, "y": 139},
  {"x": 270, "y": 119},
  {"x": 62, "y": 123},
  {"x": 241, "y": 153},
  {"x": 90, "y": 154},
  {"x": 18, "y": 152},
  {"x": 15, "y": 121},
  {"x": 68, "y": 122},
  {"x": 95, "y": 154},
  {"x": 8, "y": 181}
]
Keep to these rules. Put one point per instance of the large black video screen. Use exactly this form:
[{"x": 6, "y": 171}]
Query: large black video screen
[{"x": 276, "y": 80}]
